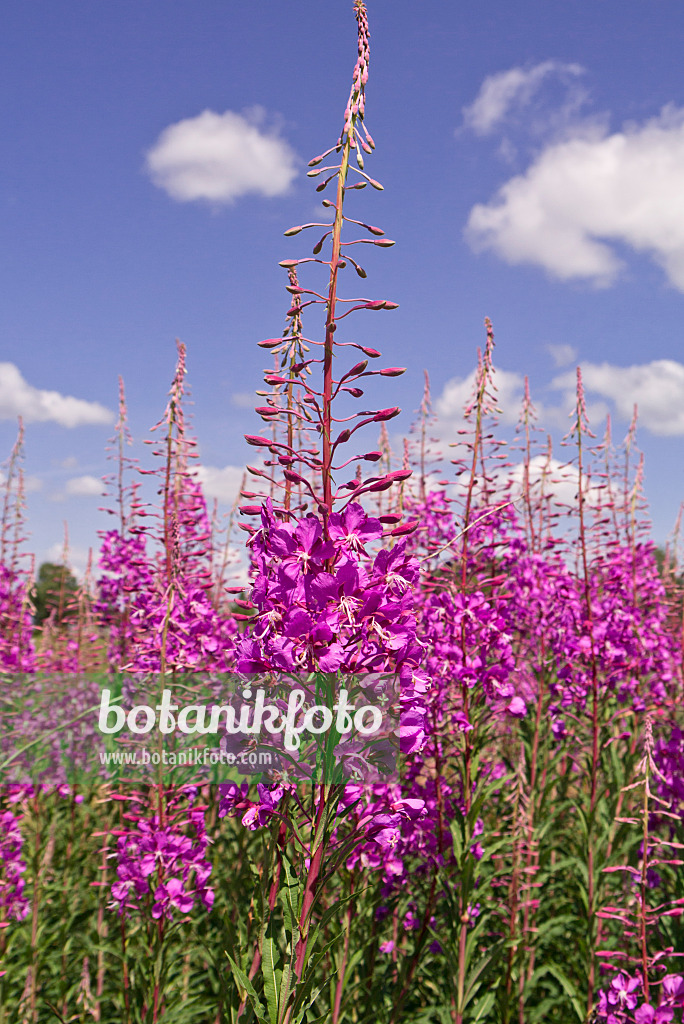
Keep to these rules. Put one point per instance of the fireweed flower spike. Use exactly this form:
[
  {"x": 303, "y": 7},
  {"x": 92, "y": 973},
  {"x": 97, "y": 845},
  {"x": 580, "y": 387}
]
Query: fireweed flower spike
[
  {"x": 163, "y": 868},
  {"x": 323, "y": 599},
  {"x": 17, "y": 653},
  {"x": 13, "y": 903},
  {"x": 326, "y": 598},
  {"x": 159, "y": 606},
  {"x": 311, "y": 468}
]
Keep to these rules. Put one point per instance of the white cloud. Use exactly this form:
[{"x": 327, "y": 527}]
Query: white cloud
[
  {"x": 448, "y": 408},
  {"x": 243, "y": 400},
  {"x": 562, "y": 354},
  {"x": 77, "y": 557},
  {"x": 31, "y": 483},
  {"x": 564, "y": 416},
  {"x": 83, "y": 486},
  {"x": 587, "y": 191},
  {"x": 458, "y": 391},
  {"x": 549, "y": 477},
  {"x": 504, "y": 90},
  {"x": 657, "y": 388},
  {"x": 19, "y": 398},
  {"x": 221, "y": 483},
  {"x": 220, "y": 157}
]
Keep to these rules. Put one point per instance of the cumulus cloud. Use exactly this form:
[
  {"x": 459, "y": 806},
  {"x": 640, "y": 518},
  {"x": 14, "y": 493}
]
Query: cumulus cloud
[
  {"x": 34, "y": 405},
  {"x": 458, "y": 391},
  {"x": 77, "y": 557},
  {"x": 220, "y": 157},
  {"x": 31, "y": 483},
  {"x": 549, "y": 480},
  {"x": 221, "y": 483},
  {"x": 83, "y": 486},
  {"x": 656, "y": 388},
  {"x": 549, "y": 477},
  {"x": 587, "y": 191},
  {"x": 562, "y": 354},
  {"x": 503, "y": 91},
  {"x": 448, "y": 408}
]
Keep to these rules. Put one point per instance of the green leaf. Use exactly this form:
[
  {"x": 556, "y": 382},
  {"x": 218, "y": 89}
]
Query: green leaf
[
  {"x": 246, "y": 986},
  {"x": 268, "y": 969},
  {"x": 484, "y": 1005},
  {"x": 285, "y": 987},
  {"x": 571, "y": 990}
]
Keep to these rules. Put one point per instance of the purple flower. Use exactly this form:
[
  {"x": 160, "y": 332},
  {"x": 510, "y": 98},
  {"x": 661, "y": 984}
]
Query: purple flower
[
  {"x": 163, "y": 865},
  {"x": 622, "y": 991},
  {"x": 13, "y": 904},
  {"x": 353, "y": 527},
  {"x": 171, "y": 894}
]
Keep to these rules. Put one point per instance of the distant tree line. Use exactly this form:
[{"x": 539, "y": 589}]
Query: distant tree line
[{"x": 54, "y": 593}]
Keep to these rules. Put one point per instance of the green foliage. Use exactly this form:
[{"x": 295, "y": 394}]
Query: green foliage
[
  {"x": 54, "y": 593},
  {"x": 511, "y": 922}
]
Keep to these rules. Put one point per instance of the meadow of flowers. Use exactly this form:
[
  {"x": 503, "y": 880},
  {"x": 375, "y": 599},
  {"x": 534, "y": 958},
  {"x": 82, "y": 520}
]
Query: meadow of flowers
[{"x": 525, "y": 866}]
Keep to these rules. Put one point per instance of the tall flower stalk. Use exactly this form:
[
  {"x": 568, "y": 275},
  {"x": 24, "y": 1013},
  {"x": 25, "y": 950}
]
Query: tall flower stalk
[
  {"x": 323, "y": 602},
  {"x": 315, "y": 469}
]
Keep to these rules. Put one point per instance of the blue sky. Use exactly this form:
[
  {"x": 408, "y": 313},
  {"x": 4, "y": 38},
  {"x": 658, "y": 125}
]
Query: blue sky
[{"x": 153, "y": 154}]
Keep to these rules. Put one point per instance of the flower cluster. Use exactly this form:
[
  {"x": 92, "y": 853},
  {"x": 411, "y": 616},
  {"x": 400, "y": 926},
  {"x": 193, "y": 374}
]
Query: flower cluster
[
  {"x": 153, "y": 608},
  {"x": 13, "y": 904},
  {"x": 669, "y": 759},
  {"x": 327, "y": 603},
  {"x": 17, "y": 652},
  {"x": 234, "y": 799},
  {"x": 163, "y": 867},
  {"x": 620, "y": 1003}
]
